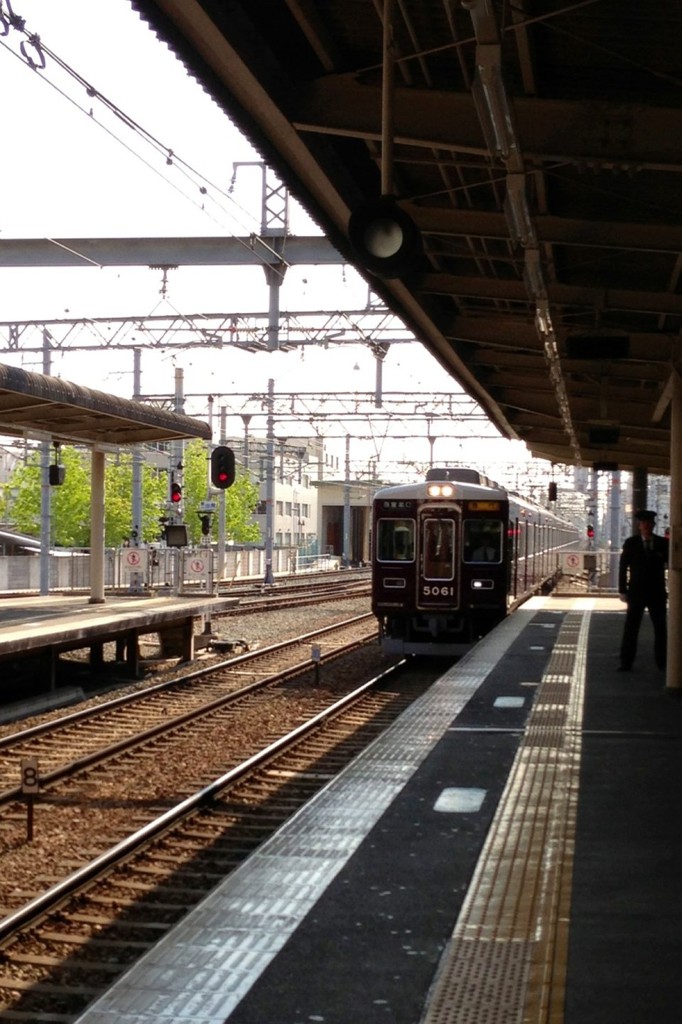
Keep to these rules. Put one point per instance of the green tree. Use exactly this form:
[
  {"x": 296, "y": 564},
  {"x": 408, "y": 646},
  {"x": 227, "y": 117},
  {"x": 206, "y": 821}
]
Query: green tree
[
  {"x": 240, "y": 499},
  {"x": 194, "y": 485},
  {"x": 70, "y": 502},
  {"x": 118, "y": 501},
  {"x": 69, "y": 506}
]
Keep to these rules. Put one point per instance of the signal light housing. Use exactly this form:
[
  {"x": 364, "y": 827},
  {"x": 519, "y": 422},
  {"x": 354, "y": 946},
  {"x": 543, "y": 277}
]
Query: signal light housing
[
  {"x": 176, "y": 494},
  {"x": 222, "y": 467},
  {"x": 385, "y": 239}
]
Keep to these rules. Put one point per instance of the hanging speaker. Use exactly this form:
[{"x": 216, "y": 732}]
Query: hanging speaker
[{"x": 385, "y": 240}]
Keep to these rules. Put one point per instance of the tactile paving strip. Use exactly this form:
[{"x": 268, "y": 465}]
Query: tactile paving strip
[{"x": 506, "y": 960}]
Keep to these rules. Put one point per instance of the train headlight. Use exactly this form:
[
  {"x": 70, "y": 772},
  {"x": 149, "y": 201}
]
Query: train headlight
[{"x": 440, "y": 490}]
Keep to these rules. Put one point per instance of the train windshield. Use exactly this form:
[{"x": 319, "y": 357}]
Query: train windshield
[
  {"x": 482, "y": 541},
  {"x": 395, "y": 540},
  {"x": 439, "y": 547}
]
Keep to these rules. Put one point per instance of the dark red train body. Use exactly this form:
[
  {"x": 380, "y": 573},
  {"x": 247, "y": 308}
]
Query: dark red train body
[{"x": 450, "y": 556}]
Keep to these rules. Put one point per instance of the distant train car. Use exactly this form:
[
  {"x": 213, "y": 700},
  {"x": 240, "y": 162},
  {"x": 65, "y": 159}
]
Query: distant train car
[{"x": 450, "y": 554}]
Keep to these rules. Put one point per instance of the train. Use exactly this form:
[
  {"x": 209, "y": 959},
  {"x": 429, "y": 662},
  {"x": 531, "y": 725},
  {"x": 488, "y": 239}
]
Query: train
[{"x": 452, "y": 554}]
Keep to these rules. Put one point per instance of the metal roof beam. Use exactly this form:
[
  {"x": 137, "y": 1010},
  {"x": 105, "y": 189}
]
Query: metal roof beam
[
  {"x": 578, "y": 131},
  {"x": 168, "y": 252},
  {"x": 566, "y": 295},
  {"x": 663, "y": 237}
]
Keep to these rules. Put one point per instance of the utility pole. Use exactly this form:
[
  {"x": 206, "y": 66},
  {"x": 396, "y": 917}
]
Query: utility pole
[
  {"x": 269, "y": 483},
  {"x": 45, "y": 495},
  {"x": 345, "y": 560}
]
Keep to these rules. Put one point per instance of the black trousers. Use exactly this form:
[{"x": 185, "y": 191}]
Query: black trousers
[{"x": 633, "y": 620}]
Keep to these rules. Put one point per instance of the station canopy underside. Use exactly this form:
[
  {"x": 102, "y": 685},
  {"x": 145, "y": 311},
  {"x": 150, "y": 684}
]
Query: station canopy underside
[
  {"x": 37, "y": 406},
  {"x": 537, "y": 148}
]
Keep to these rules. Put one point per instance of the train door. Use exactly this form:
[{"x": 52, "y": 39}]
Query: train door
[
  {"x": 514, "y": 545},
  {"x": 438, "y": 585}
]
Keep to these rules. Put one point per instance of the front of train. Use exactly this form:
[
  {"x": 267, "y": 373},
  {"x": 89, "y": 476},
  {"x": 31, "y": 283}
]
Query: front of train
[{"x": 440, "y": 563}]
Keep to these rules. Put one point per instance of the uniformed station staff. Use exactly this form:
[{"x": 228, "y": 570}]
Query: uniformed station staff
[{"x": 641, "y": 582}]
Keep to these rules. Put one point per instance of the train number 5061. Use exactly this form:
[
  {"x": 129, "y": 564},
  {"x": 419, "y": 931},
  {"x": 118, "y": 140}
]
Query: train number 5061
[{"x": 438, "y": 591}]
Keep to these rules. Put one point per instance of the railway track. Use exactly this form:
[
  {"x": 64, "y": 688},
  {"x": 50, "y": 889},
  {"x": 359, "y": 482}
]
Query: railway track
[
  {"x": 290, "y": 599},
  {"x": 298, "y": 591},
  {"x": 67, "y": 944},
  {"x": 109, "y": 729}
]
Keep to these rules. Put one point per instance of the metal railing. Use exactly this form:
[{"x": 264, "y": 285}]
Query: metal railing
[
  {"x": 594, "y": 571},
  {"x": 153, "y": 568}
]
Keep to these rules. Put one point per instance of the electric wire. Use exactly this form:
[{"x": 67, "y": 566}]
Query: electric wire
[{"x": 184, "y": 168}]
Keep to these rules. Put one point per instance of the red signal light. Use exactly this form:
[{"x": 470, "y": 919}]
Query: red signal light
[
  {"x": 222, "y": 467},
  {"x": 176, "y": 494}
]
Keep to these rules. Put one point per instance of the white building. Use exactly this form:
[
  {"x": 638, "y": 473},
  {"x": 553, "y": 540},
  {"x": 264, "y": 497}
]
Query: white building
[{"x": 315, "y": 510}]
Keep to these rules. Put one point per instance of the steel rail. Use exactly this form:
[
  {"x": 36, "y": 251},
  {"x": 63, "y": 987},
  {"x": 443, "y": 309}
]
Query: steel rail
[
  {"x": 13, "y": 739},
  {"x": 171, "y": 724},
  {"x": 59, "y": 893}
]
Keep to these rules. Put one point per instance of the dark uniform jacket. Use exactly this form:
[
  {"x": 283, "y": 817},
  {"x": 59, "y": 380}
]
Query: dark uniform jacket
[{"x": 642, "y": 573}]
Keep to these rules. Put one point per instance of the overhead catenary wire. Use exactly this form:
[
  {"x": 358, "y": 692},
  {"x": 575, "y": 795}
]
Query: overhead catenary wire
[{"x": 168, "y": 154}]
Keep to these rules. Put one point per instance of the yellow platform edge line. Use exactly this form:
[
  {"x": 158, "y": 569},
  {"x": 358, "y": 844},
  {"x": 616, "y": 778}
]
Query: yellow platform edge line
[{"x": 508, "y": 951}]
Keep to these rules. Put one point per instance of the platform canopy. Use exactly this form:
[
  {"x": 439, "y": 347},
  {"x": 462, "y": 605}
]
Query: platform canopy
[
  {"x": 536, "y": 148},
  {"x": 34, "y": 405}
]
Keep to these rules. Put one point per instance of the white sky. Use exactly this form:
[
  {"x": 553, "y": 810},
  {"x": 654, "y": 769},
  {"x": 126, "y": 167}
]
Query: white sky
[{"x": 73, "y": 169}]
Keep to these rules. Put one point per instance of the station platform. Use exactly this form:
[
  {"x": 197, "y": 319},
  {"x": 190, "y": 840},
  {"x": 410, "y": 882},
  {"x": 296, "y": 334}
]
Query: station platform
[
  {"x": 508, "y": 851},
  {"x": 43, "y": 627}
]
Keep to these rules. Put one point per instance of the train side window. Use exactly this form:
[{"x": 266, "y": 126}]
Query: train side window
[
  {"x": 439, "y": 546},
  {"x": 395, "y": 540},
  {"x": 482, "y": 540}
]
